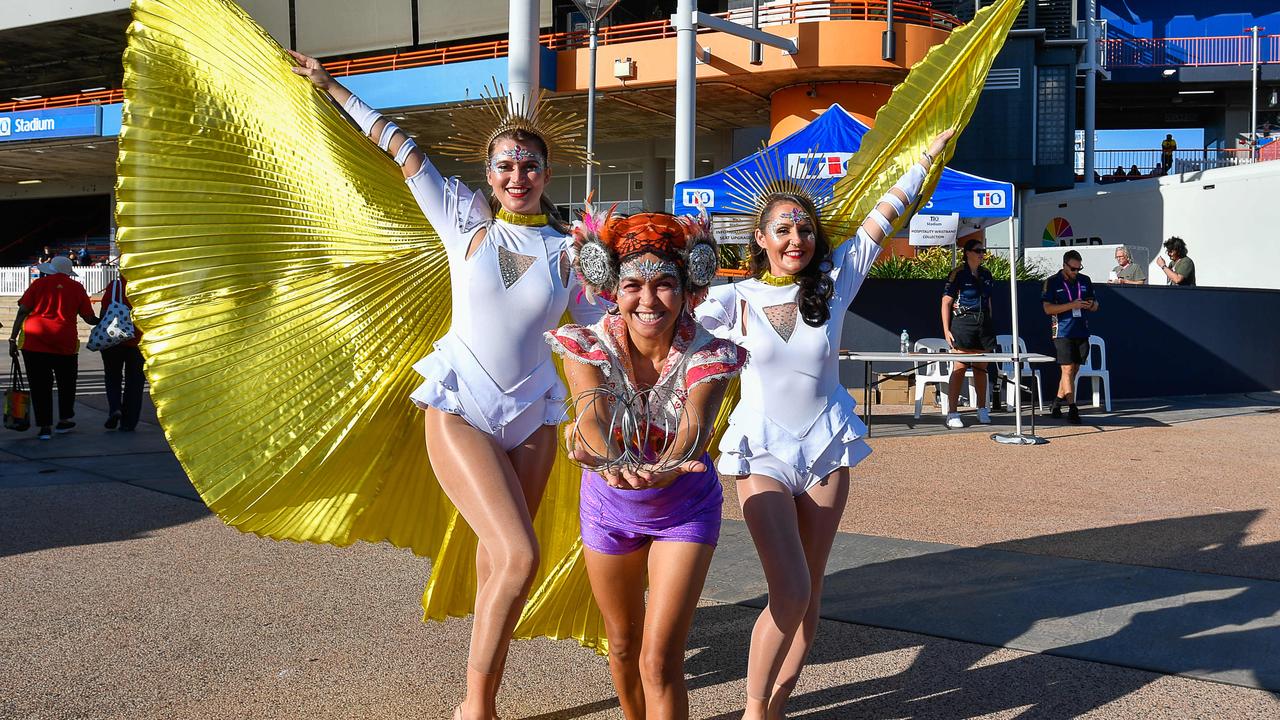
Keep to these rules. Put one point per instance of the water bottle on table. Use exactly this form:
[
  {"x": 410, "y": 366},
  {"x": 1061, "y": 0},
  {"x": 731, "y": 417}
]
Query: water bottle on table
[{"x": 904, "y": 343}]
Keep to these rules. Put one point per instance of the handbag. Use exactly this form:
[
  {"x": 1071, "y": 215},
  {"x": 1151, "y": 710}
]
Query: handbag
[
  {"x": 116, "y": 324},
  {"x": 17, "y": 400}
]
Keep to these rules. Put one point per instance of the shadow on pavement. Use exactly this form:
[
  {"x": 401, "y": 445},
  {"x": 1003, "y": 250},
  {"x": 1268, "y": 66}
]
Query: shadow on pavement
[{"x": 1207, "y": 626}]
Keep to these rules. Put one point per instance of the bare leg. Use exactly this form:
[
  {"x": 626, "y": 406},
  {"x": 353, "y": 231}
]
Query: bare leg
[
  {"x": 1067, "y": 383},
  {"x": 953, "y": 386},
  {"x": 770, "y": 512},
  {"x": 618, "y": 583},
  {"x": 480, "y": 480},
  {"x": 677, "y": 571},
  {"x": 819, "y": 512},
  {"x": 980, "y": 384}
]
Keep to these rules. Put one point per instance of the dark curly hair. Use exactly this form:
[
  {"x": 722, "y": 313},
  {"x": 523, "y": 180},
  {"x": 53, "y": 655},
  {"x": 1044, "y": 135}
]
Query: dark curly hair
[
  {"x": 548, "y": 208},
  {"x": 816, "y": 287}
]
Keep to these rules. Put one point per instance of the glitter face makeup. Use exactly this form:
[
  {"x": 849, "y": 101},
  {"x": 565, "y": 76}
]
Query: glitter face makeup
[
  {"x": 516, "y": 154},
  {"x": 648, "y": 269},
  {"x": 794, "y": 216}
]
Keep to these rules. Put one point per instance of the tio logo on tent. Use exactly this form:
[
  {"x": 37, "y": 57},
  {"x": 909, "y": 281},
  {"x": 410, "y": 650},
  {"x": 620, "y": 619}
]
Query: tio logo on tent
[
  {"x": 695, "y": 197},
  {"x": 5, "y": 126},
  {"x": 988, "y": 198},
  {"x": 827, "y": 165}
]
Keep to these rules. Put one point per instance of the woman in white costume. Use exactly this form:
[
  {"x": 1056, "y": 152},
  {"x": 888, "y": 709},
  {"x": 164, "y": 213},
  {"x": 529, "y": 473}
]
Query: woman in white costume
[
  {"x": 491, "y": 395},
  {"x": 795, "y": 432}
]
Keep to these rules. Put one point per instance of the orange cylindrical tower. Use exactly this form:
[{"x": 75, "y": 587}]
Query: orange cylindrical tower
[{"x": 793, "y": 107}]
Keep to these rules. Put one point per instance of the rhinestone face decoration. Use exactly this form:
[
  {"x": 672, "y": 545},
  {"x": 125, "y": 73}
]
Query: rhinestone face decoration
[
  {"x": 783, "y": 319},
  {"x": 516, "y": 154},
  {"x": 793, "y": 217},
  {"x": 593, "y": 260},
  {"x": 513, "y": 266},
  {"x": 648, "y": 269},
  {"x": 703, "y": 264}
]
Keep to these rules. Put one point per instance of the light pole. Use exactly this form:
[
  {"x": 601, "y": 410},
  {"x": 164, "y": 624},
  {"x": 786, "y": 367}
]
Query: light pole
[
  {"x": 1253, "y": 99},
  {"x": 594, "y": 10}
]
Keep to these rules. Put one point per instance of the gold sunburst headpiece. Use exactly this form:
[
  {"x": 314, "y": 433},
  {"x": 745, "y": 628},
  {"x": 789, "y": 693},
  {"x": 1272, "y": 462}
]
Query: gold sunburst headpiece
[
  {"x": 476, "y": 127},
  {"x": 751, "y": 188}
]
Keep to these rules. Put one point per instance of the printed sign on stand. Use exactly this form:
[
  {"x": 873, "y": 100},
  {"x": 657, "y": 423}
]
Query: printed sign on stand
[{"x": 930, "y": 230}]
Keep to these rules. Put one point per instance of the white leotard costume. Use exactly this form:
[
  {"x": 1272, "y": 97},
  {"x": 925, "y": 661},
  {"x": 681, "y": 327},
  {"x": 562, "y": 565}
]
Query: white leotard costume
[
  {"x": 493, "y": 367},
  {"x": 795, "y": 422}
]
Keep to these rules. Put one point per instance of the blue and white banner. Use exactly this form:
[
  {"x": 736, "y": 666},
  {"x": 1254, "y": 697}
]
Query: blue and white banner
[{"x": 54, "y": 123}]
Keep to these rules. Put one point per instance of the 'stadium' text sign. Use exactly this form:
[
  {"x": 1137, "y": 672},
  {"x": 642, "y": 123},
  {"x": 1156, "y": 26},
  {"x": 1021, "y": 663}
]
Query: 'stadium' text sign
[
  {"x": 929, "y": 230},
  {"x": 54, "y": 123}
]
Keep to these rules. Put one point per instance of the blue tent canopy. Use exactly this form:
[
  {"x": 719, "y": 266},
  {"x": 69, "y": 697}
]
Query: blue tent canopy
[{"x": 837, "y": 135}]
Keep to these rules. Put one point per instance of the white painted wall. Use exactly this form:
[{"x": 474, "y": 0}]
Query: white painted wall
[
  {"x": 1229, "y": 218},
  {"x": 21, "y": 13}
]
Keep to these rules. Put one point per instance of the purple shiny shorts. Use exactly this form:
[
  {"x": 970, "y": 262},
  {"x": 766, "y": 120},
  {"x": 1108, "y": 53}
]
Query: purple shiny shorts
[{"x": 617, "y": 522}]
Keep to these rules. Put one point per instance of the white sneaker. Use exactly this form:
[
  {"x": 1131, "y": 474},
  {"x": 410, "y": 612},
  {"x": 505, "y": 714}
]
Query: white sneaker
[
  {"x": 954, "y": 422},
  {"x": 984, "y": 416}
]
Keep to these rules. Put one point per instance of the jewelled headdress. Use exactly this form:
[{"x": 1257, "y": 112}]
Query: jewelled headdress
[
  {"x": 476, "y": 126},
  {"x": 752, "y": 188},
  {"x": 603, "y": 241}
]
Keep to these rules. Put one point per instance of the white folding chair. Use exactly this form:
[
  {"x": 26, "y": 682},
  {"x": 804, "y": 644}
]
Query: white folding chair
[
  {"x": 1004, "y": 343},
  {"x": 1099, "y": 374},
  {"x": 937, "y": 372}
]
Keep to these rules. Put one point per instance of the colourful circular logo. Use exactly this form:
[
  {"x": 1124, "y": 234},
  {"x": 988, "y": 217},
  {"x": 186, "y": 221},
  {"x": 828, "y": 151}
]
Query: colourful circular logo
[{"x": 1057, "y": 229}]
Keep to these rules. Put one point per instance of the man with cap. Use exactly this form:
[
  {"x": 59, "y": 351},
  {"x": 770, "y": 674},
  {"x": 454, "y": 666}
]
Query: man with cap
[{"x": 45, "y": 331}]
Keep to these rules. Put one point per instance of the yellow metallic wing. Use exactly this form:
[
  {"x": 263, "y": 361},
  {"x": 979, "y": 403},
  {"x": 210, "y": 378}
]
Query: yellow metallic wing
[
  {"x": 940, "y": 92},
  {"x": 286, "y": 282}
]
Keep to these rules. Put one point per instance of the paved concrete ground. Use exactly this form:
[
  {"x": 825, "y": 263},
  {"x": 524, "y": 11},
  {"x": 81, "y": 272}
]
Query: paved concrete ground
[{"x": 1008, "y": 589}]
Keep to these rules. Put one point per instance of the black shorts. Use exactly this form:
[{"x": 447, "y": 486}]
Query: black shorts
[
  {"x": 1071, "y": 351},
  {"x": 973, "y": 331}
]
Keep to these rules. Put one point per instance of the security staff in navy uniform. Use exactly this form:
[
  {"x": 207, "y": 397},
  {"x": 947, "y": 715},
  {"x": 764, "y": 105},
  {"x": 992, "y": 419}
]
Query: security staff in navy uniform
[
  {"x": 1066, "y": 297},
  {"x": 967, "y": 324}
]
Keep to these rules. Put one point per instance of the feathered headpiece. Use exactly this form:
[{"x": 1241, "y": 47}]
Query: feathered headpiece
[
  {"x": 475, "y": 127},
  {"x": 751, "y": 189},
  {"x": 603, "y": 243}
]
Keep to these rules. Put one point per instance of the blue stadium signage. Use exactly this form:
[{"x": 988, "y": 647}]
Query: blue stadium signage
[{"x": 55, "y": 123}]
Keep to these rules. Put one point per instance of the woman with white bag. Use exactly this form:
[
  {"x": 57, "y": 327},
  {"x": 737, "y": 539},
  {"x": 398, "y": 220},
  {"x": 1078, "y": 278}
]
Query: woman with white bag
[{"x": 121, "y": 364}]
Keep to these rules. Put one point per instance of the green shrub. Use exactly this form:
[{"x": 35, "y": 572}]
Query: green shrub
[{"x": 935, "y": 264}]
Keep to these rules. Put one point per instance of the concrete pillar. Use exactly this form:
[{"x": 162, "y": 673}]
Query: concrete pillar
[
  {"x": 654, "y": 178},
  {"x": 522, "y": 57}
]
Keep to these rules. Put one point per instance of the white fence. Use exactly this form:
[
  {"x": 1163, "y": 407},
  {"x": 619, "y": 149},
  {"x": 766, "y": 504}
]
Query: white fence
[{"x": 14, "y": 280}]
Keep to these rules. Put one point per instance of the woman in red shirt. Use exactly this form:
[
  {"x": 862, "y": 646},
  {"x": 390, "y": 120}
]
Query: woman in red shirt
[
  {"x": 46, "y": 324},
  {"x": 122, "y": 368}
]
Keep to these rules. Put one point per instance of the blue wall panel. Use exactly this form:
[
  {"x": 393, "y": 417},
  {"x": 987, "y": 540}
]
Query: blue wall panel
[
  {"x": 1160, "y": 340},
  {"x": 439, "y": 84}
]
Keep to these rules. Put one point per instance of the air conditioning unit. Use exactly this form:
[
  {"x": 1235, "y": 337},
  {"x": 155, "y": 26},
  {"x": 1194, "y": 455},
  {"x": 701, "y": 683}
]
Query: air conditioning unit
[{"x": 624, "y": 69}]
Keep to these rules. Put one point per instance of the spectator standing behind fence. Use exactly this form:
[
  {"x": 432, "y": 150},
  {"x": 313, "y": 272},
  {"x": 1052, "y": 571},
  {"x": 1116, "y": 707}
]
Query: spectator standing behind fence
[
  {"x": 45, "y": 331},
  {"x": 1166, "y": 153},
  {"x": 1127, "y": 272},
  {"x": 122, "y": 370},
  {"x": 968, "y": 327},
  {"x": 1179, "y": 270},
  {"x": 1067, "y": 296}
]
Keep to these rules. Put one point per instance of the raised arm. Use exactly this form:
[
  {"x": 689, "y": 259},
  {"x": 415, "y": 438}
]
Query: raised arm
[
  {"x": 382, "y": 131},
  {"x": 879, "y": 222}
]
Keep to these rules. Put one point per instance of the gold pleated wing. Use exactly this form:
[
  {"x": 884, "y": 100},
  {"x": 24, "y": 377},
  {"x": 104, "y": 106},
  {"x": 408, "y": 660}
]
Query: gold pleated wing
[
  {"x": 940, "y": 92},
  {"x": 286, "y": 282}
]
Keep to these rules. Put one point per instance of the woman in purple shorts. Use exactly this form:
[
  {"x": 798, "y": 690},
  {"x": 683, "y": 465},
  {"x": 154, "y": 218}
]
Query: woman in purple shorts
[{"x": 647, "y": 381}]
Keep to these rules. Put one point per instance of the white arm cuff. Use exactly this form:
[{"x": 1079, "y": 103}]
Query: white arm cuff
[
  {"x": 894, "y": 202},
  {"x": 405, "y": 148},
  {"x": 882, "y": 221},
  {"x": 388, "y": 131},
  {"x": 911, "y": 182},
  {"x": 364, "y": 115}
]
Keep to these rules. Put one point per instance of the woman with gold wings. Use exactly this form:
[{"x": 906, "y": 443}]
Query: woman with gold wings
[{"x": 646, "y": 382}]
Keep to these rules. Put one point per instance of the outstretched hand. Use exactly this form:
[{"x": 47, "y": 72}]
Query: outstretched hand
[
  {"x": 311, "y": 69},
  {"x": 940, "y": 142}
]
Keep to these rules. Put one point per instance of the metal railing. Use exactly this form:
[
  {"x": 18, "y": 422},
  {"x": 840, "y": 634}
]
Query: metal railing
[
  {"x": 15, "y": 280},
  {"x": 1170, "y": 52},
  {"x": 906, "y": 12},
  {"x": 1118, "y": 165}
]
